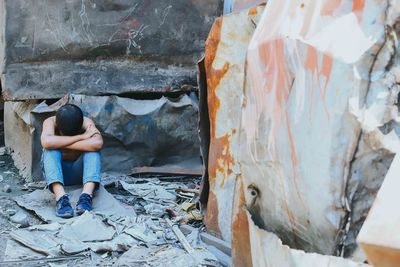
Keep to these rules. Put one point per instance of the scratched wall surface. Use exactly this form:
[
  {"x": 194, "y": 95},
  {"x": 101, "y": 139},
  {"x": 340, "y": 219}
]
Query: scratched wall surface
[
  {"x": 94, "y": 46},
  {"x": 224, "y": 65},
  {"x": 320, "y": 117}
]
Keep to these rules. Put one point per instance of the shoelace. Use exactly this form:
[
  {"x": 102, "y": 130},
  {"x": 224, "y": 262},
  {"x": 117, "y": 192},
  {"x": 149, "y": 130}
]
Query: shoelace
[
  {"x": 84, "y": 198},
  {"x": 65, "y": 202}
]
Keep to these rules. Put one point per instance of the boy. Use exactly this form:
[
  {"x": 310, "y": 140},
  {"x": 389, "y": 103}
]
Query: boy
[{"x": 71, "y": 145}]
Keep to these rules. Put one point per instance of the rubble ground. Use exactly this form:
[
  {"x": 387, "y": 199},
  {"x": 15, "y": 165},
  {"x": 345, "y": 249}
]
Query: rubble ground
[{"x": 136, "y": 224}]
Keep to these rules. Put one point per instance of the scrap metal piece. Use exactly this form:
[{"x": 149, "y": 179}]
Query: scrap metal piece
[
  {"x": 299, "y": 136},
  {"x": 181, "y": 237},
  {"x": 224, "y": 70},
  {"x": 167, "y": 170}
]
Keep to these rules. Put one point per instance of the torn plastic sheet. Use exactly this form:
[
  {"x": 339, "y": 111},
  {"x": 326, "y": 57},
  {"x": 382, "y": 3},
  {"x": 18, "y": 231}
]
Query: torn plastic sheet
[
  {"x": 42, "y": 202},
  {"x": 137, "y": 133}
]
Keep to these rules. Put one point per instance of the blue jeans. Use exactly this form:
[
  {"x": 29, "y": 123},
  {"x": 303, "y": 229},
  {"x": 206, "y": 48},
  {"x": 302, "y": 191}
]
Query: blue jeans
[{"x": 87, "y": 168}]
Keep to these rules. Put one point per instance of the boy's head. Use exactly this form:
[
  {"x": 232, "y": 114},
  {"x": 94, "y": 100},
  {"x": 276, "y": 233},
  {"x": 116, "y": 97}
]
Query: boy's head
[{"x": 69, "y": 120}]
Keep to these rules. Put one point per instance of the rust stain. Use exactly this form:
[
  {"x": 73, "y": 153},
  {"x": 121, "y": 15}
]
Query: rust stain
[
  {"x": 277, "y": 86},
  {"x": 214, "y": 76},
  {"x": 326, "y": 70},
  {"x": 358, "y": 8},
  {"x": 220, "y": 158},
  {"x": 211, "y": 218},
  {"x": 241, "y": 246},
  {"x": 311, "y": 64},
  {"x": 293, "y": 157},
  {"x": 330, "y": 7},
  {"x": 254, "y": 10}
]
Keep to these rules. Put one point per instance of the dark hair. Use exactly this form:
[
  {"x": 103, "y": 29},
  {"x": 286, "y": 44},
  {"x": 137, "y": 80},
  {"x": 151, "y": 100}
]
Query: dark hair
[{"x": 69, "y": 120}]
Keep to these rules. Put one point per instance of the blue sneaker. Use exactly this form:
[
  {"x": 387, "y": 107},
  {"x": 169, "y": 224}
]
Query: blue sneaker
[
  {"x": 84, "y": 204},
  {"x": 64, "y": 208}
]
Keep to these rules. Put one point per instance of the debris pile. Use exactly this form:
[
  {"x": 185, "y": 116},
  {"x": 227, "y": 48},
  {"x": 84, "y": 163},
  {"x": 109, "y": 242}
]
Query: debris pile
[{"x": 137, "y": 223}]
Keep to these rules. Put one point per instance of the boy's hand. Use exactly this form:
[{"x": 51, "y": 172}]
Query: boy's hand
[{"x": 90, "y": 131}]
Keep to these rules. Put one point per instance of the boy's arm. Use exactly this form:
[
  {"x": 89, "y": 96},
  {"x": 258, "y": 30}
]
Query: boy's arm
[
  {"x": 94, "y": 143},
  {"x": 51, "y": 141}
]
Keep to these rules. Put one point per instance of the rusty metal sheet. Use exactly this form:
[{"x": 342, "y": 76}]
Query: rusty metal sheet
[
  {"x": 320, "y": 95},
  {"x": 224, "y": 65},
  {"x": 101, "y": 47}
]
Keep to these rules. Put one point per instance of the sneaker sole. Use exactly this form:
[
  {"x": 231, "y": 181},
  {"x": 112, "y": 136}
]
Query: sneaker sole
[
  {"x": 81, "y": 211},
  {"x": 64, "y": 216}
]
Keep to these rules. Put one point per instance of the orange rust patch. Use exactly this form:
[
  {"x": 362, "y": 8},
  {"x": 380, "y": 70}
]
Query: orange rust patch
[
  {"x": 241, "y": 246},
  {"x": 211, "y": 218},
  {"x": 253, "y": 11},
  {"x": 329, "y": 7},
  {"x": 311, "y": 64},
  {"x": 214, "y": 76},
  {"x": 326, "y": 70},
  {"x": 219, "y": 147},
  {"x": 358, "y": 8},
  {"x": 220, "y": 159}
]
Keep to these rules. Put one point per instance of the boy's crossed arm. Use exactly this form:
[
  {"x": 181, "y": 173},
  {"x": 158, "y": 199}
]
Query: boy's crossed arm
[{"x": 90, "y": 140}]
